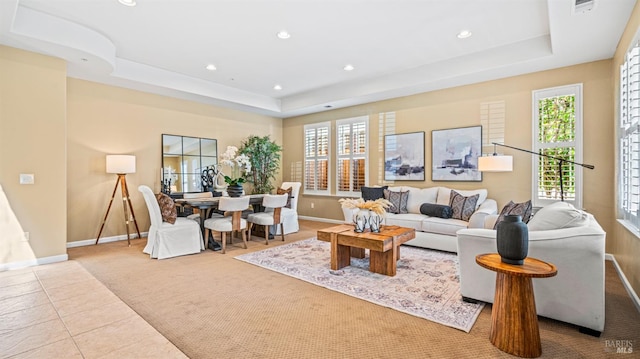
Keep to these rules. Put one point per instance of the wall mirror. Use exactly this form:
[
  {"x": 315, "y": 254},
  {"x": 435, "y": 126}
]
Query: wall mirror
[{"x": 183, "y": 160}]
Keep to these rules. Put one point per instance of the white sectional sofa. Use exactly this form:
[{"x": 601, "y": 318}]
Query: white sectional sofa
[
  {"x": 570, "y": 239},
  {"x": 433, "y": 232}
]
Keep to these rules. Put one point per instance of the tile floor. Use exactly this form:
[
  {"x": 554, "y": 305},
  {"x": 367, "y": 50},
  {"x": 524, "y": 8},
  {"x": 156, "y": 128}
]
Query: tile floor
[{"x": 61, "y": 311}]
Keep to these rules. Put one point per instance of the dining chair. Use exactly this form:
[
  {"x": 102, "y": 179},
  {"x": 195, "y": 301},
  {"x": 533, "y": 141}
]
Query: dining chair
[
  {"x": 273, "y": 203},
  {"x": 290, "y": 212},
  {"x": 208, "y": 212},
  {"x": 232, "y": 222},
  {"x": 166, "y": 240}
]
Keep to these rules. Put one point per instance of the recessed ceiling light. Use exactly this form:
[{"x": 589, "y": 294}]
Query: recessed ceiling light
[
  {"x": 277, "y": 87},
  {"x": 348, "y": 67},
  {"x": 211, "y": 67},
  {"x": 127, "y": 2},
  {"x": 464, "y": 34},
  {"x": 283, "y": 35}
]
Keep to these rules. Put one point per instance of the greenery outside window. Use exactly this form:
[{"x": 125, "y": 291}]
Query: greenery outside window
[
  {"x": 352, "y": 155},
  {"x": 316, "y": 158},
  {"x": 629, "y": 138},
  {"x": 557, "y": 131}
]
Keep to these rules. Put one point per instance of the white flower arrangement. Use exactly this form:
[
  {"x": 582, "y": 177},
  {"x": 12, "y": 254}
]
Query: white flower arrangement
[{"x": 240, "y": 165}]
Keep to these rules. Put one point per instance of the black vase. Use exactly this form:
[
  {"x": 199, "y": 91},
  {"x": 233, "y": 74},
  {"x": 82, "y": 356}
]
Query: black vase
[
  {"x": 512, "y": 240},
  {"x": 235, "y": 190}
]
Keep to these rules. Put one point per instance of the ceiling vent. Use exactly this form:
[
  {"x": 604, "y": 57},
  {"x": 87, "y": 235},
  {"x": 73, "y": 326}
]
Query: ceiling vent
[{"x": 580, "y": 6}]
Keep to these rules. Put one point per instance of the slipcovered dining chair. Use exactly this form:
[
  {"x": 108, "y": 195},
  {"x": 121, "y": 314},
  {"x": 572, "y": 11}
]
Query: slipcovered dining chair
[
  {"x": 290, "y": 212},
  {"x": 272, "y": 216},
  {"x": 233, "y": 221},
  {"x": 166, "y": 240}
]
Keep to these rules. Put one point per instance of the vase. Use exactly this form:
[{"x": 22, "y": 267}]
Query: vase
[
  {"x": 361, "y": 220},
  {"x": 235, "y": 190},
  {"x": 512, "y": 240},
  {"x": 375, "y": 221}
]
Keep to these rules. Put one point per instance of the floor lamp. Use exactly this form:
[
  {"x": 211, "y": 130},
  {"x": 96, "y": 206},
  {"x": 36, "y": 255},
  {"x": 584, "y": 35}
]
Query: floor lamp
[
  {"x": 500, "y": 163},
  {"x": 121, "y": 165}
]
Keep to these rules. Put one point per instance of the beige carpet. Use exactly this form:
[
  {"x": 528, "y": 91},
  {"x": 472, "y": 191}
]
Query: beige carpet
[{"x": 213, "y": 306}]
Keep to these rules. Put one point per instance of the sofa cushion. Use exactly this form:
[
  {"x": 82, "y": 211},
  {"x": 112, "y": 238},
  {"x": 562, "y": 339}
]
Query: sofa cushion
[
  {"x": 556, "y": 216},
  {"x": 167, "y": 208},
  {"x": 444, "y": 195},
  {"x": 518, "y": 209},
  {"x": 463, "y": 207},
  {"x": 398, "y": 201},
  {"x": 372, "y": 193},
  {"x": 418, "y": 196},
  {"x": 436, "y": 210},
  {"x": 442, "y": 226},
  {"x": 409, "y": 220}
]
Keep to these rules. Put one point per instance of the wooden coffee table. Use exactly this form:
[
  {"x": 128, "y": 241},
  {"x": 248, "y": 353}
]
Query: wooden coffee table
[
  {"x": 514, "y": 320},
  {"x": 384, "y": 247}
]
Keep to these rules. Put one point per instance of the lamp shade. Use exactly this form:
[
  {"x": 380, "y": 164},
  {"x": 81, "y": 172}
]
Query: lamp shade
[
  {"x": 121, "y": 164},
  {"x": 495, "y": 163}
]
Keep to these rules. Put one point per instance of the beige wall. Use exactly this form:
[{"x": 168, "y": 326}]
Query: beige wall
[
  {"x": 625, "y": 245},
  {"x": 33, "y": 141},
  {"x": 109, "y": 120},
  {"x": 460, "y": 107}
]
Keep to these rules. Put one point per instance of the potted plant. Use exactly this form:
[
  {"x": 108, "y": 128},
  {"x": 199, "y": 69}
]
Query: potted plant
[
  {"x": 264, "y": 156},
  {"x": 240, "y": 165}
]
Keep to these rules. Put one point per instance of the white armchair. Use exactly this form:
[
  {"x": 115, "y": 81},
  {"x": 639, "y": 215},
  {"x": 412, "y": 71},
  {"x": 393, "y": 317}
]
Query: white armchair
[
  {"x": 166, "y": 240},
  {"x": 575, "y": 295}
]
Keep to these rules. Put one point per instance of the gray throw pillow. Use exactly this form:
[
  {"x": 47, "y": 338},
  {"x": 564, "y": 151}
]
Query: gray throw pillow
[
  {"x": 436, "y": 210},
  {"x": 463, "y": 207},
  {"x": 398, "y": 201},
  {"x": 372, "y": 193},
  {"x": 518, "y": 209}
]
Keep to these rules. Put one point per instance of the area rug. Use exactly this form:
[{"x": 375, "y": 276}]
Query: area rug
[{"x": 426, "y": 283}]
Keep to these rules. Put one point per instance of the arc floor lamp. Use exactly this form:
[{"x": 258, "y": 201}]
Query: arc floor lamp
[
  {"x": 501, "y": 163},
  {"x": 121, "y": 165}
]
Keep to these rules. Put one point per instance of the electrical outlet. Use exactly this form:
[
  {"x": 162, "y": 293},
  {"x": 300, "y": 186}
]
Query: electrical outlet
[{"x": 313, "y": 205}]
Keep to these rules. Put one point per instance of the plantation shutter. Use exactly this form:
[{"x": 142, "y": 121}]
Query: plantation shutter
[
  {"x": 316, "y": 169},
  {"x": 352, "y": 155},
  {"x": 629, "y": 137}
]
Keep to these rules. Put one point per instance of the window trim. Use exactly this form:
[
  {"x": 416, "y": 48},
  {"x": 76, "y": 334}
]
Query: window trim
[
  {"x": 351, "y": 121},
  {"x": 316, "y": 126},
  {"x": 572, "y": 89}
]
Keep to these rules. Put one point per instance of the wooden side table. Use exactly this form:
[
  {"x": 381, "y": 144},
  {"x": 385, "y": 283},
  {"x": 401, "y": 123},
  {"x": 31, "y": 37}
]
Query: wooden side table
[{"x": 514, "y": 320}]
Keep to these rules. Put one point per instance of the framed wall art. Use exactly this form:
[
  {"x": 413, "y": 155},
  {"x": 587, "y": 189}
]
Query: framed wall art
[
  {"x": 454, "y": 154},
  {"x": 404, "y": 157}
]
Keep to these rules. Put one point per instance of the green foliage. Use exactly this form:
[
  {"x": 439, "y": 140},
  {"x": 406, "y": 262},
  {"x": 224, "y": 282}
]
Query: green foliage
[
  {"x": 264, "y": 156},
  {"x": 556, "y": 125}
]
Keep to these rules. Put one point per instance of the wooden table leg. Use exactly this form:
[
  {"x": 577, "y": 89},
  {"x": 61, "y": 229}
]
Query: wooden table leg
[
  {"x": 340, "y": 255},
  {"x": 514, "y": 322},
  {"x": 357, "y": 252},
  {"x": 383, "y": 262}
]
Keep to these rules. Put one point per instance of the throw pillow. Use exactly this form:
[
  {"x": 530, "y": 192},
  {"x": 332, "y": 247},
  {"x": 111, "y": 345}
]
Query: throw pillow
[
  {"x": 286, "y": 191},
  {"x": 436, "y": 210},
  {"x": 556, "y": 216},
  {"x": 463, "y": 207},
  {"x": 372, "y": 193},
  {"x": 519, "y": 209},
  {"x": 398, "y": 201},
  {"x": 167, "y": 208}
]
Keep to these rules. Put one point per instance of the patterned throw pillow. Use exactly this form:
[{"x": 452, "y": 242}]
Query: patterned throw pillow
[
  {"x": 167, "y": 208},
  {"x": 398, "y": 201},
  {"x": 286, "y": 191},
  {"x": 372, "y": 193},
  {"x": 519, "y": 209},
  {"x": 463, "y": 207}
]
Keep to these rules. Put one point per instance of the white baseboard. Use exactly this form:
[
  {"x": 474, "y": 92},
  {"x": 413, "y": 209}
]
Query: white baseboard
[
  {"x": 625, "y": 282},
  {"x": 33, "y": 262},
  {"x": 90, "y": 242},
  {"x": 318, "y": 219}
]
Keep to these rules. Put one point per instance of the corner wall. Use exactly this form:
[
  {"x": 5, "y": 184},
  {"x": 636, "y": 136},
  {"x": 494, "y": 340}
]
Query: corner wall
[{"x": 33, "y": 141}]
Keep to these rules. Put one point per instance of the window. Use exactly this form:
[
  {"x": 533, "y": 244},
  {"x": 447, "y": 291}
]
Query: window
[
  {"x": 557, "y": 132},
  {"x": 352, "y": 155},
  {"x": 316, "y": 158},
  {"x": 629, "y": 137}
]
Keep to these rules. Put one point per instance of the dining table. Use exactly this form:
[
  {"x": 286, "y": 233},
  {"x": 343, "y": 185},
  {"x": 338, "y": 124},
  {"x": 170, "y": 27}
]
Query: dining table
[{"x": 211, "y": 203}]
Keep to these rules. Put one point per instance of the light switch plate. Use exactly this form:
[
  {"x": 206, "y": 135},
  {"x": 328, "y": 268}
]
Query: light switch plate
[{"x": 27, "y": 178}]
